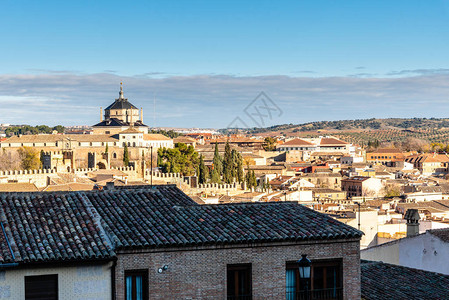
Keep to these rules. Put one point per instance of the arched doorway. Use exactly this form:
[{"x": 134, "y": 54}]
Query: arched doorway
[{"x": 101, "y": 165}]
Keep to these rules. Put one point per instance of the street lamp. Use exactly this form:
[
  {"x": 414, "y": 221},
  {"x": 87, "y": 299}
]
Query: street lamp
[{"x": 304, "y": 265}]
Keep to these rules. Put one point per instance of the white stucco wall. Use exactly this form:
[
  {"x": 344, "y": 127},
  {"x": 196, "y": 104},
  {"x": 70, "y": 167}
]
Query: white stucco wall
[
  {"x": 368, "y": 224},
  {"x": 75, "y": 283},
  {"x": 425, "y": 252}
]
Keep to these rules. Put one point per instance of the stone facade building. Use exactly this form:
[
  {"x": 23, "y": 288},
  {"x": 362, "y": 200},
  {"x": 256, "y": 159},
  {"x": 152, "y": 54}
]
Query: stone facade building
[
  {"x": 66, "y": 152},
  {"x": 120, "y": 115}
]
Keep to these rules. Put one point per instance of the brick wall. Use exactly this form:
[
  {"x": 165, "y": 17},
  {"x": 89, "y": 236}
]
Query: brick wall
[{"x": 200, "y": 273}]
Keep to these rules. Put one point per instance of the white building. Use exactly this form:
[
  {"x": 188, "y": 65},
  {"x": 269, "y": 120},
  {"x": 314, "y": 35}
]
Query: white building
[{"x": 428, "y": 251}]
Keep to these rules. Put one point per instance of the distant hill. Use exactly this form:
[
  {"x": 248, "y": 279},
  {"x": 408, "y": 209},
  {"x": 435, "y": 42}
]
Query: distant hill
[
  {"x": 363, "y": 124},
  {"x": 384, "y": 132}
]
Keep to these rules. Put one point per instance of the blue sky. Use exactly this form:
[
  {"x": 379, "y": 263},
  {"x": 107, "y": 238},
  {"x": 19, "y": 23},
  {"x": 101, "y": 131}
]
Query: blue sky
[{"x": 204, "y": 61}]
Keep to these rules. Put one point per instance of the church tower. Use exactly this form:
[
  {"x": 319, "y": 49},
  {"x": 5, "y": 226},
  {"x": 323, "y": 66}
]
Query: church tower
[{"x": 120, "y": 115}]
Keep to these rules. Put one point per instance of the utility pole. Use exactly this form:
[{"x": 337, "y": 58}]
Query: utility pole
[
  {"x": 151, "y": 167},
  {"x": 359, "y": 213}
]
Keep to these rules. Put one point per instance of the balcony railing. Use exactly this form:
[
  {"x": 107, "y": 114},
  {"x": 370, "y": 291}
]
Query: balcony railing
[{"x": 322, "y": 294}]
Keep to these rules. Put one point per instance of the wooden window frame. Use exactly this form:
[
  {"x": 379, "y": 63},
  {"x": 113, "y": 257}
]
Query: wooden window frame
[
  {"x": 319, "y": 263},
  {"x": 239, "y": 267},
  {"x": 145, "y": 282}
]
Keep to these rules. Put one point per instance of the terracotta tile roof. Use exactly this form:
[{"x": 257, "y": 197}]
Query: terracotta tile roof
[
  {"x": 112, "y": 172},
  {"x": 324, "y": 154},
  {"x": 184, "y": 139},
  {"x": 237, "y": 140},
  {"x": 386, "y": 281},
  {"x": 52, "y": 138},
  {"x": 18, "y": 187},
  {"x": 130, "y": 130},
  {"x": 331, "y": 142},
  {"x": 72, "y": 186},
  {"x": 356, "y": 179},
  {"x": 427, "y": 158},
  {"x": 297, "y": 142},
  {"x": 155, "y": 137},
  {"x": 323, "y": 190},
  {"x": 280, "y": 180},
  {"x": 386, "y": 150}
]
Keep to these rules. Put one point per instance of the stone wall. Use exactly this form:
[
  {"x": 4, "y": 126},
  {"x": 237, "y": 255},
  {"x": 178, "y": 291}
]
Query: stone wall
[{"x": 38, "y": 177}]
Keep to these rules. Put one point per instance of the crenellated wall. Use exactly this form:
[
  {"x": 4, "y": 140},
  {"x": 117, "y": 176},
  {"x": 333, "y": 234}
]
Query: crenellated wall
[{"x": 39, "y": 177}]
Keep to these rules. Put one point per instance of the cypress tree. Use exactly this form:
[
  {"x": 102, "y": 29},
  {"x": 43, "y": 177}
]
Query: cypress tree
[
  {"x": 203, "y": 171},
  {"x": 240, "y": 173},
  {"x": 106, "y": 150},
  {"x": 217, "y": 166},
  {"x": 125, "y": 156},
  {"x": 234, "y": 163},
  {"x": 248, "y": 179},
  {"x": 227, "y": 164},
  {"x": 253, "y": 179}
]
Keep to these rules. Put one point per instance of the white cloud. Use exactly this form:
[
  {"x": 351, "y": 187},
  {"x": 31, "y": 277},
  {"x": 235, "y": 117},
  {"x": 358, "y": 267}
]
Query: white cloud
[{"x": 215, "y": 100}]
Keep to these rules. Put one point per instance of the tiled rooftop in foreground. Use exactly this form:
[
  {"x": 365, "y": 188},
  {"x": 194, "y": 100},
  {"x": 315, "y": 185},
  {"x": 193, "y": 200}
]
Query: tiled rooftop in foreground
[
  {"x": 386, "y": 281},
  {"x": 95, "y": 224}
]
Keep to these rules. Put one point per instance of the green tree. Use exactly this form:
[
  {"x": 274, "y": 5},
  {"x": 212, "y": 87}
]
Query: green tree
[
  {"x": 170, "y": 133},
  {"x": 126, "y": 156},
  {"x": 215, "y": 176},
  {"x": 29, "y": 158},
  {"x": 240, "y": 173},
  {"x": 181, "y": 159},
  {"x": 203, "y": 171},
  {"x": 269, "y": 144},
  {"x": 59, "y": 128},
  {"x": 253, "y": 179},
  {"x": 250, "y": 178},
  {"x": 217, "y": 165},
  {"x": 228, "y": 164},
  {"x": 106, "y": 150}
]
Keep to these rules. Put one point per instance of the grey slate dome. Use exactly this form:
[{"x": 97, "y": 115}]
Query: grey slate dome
[
  {"x": 121, "y": 102},
  {"x": 121, "y": 113}
]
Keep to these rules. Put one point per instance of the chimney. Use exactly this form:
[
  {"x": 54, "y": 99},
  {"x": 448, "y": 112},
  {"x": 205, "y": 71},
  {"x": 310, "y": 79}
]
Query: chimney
[
  {"x": 412, "y": 217},
  {"x": 101, "y": 114},
  {"x": 110, "y": 185}
]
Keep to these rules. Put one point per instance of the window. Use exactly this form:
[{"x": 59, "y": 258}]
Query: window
[
  {"x": 107, "y": 132},
  {"x": 325, "y": 282},
  {"x": 114, "y": 155},
  {"x": 41, "y": 287},
  {"x": 136, "y": 285},
  {"x": 239, "y": 282}
]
